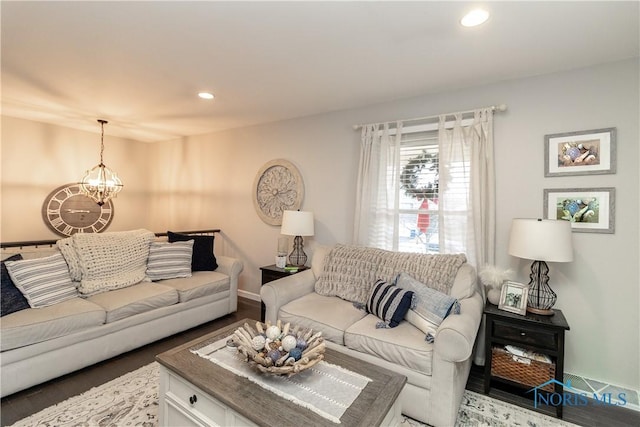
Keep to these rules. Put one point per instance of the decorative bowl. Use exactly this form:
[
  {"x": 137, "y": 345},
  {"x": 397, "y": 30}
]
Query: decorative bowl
[{"x": 279, "y": 349}]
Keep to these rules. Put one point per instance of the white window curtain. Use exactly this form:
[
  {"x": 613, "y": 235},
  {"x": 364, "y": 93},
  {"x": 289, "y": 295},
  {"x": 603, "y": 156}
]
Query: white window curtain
[
  {"x": 467, "y": 212},
  {"x": 376, "y": 219},
  {"x": 466, "y": 193}
]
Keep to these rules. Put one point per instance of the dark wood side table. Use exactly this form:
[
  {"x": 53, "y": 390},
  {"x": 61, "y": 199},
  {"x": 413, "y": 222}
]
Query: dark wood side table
[
  {"x": 271, "y": 273},
  {"x": 541, "y": 334}
]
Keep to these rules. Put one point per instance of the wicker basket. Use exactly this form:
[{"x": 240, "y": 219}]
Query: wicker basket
[{"x": 532, "y": 374}]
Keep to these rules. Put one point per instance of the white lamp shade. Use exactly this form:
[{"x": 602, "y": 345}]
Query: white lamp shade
[
  {"x": 297, "y": 223},
  {"x": 541, "y": 240}
]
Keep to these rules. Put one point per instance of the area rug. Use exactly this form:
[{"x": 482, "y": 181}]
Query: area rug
[{"x": 132, "y": 400}]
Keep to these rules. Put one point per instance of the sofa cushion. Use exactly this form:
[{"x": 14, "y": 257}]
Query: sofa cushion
[
  {"x": 389, "y": 303},
  {"x": 11, "y": 299},
  {"x": 203, "y": 258},
  {"x": 403, "y": 345},
  {"x": 169, "y": 260},
  {"x": 331, "y": 315},
  {"x": 200, "y": 283},
  {"x": 136, "y": 299},
  {"x": 465, "y": 283},
  {"x": 43, "y": 281},
  {"x": 35, "y": 325}
]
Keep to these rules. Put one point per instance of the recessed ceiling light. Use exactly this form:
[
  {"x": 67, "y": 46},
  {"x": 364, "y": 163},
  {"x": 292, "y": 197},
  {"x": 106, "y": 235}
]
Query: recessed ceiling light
[
  {"x": 474, "y": 18},
  {"x": 206, "y": 95}
]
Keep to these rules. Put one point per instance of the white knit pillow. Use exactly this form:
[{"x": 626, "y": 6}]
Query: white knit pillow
[
  {"x": 42, "y": 281},
  {"x": 169, "y": 260}
]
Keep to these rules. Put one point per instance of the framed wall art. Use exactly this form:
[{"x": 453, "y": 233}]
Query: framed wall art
[
  {"x": 513, "y": 297},
  {"x": 586, "y": 152},
  {"x": 590, "y": 210}
]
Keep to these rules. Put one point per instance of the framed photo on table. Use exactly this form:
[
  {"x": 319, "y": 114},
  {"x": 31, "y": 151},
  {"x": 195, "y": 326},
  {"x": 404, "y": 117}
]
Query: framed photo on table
[
  {"x": 588, "y": 152},
  {"x": 590, "y": 210},
  {"x": 514, "y": 297}
]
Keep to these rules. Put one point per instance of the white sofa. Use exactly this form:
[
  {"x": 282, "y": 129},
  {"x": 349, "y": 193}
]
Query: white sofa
[
  {"x": 39, "y": 344},
  {"x": 436, "y": 373}
]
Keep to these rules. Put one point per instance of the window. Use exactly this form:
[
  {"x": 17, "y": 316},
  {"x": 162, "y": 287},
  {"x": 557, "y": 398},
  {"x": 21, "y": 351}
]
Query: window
[
  {"x": 417, "y": 207},
  {"x": 429, "y": 187}
]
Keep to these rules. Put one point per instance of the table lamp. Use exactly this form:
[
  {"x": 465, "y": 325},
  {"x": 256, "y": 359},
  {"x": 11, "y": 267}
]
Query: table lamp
[
  {"x": 298, "y": 224},
  {"x": 541, "y": 240}
]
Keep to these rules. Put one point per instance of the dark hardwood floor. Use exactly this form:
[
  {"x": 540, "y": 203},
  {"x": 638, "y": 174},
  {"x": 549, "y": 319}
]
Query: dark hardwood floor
[{"x": 27, "y": 402}]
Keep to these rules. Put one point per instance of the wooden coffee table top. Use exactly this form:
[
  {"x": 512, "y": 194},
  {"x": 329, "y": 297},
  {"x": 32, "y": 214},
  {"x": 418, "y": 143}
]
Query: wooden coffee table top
[{"x": 266, "y": 408}]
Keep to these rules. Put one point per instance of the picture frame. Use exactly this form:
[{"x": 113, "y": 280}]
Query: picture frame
[
  {"x": 588, "y": 152},
  {"x": 514, "y": 297},
  {"x": 590, "y": 210}
]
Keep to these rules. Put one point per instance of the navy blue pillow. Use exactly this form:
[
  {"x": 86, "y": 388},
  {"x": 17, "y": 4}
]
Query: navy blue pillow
[
  {"x": 202, "y": 258},
  {"x": 11, "y": 299},
  {"x": 389, "y": 303}
]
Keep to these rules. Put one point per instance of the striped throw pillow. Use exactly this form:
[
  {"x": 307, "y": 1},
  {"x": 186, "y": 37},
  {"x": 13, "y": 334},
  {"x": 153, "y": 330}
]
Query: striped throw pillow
[
  {"x": 43, "y": 281},
  {"x": 169, "y": 260},
  {"x": 389, "y": 303}
]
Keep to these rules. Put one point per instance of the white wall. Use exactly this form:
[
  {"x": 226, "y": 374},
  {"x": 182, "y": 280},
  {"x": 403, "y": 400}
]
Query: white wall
[
  {"x": 598, "y": 292},
  {"x": 36, "y": 158},
  {"x": 206, "y": 181}
]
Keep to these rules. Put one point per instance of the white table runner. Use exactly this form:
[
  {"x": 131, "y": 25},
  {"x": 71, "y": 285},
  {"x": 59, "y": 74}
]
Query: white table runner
[{"x": 326, "y": 389}]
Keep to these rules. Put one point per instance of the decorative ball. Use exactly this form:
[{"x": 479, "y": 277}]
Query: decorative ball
[
  {"x": 258, "y": 342},
  {"x": 274, "y": 355},
  {"x": 296, "y": 353},
  {"x": 273, "y": 332},
  {"x": 301, "y": 343},
  {"x": 289, "y": 342}
]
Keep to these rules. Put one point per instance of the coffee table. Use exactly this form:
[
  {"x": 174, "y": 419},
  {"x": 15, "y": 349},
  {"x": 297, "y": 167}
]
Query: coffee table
[{"x": 197, "y": 392}]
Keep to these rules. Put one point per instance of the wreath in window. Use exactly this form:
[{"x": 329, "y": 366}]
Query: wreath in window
[{"x": 419, "y": 178}]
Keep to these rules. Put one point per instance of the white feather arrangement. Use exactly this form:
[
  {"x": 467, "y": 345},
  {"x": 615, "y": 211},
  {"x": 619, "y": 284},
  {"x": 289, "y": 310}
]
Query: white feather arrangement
[{"x": 494, "y": 277}]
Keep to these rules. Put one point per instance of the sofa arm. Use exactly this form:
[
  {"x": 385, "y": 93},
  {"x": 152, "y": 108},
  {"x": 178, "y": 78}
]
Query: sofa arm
[
  {"x": 456, "y": 335},
  {"x": 279, "y": 292},
  {"x": 232, "y": 267}
]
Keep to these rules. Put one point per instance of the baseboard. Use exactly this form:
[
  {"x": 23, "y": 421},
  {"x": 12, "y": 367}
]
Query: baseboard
[{"x": 249, "y": 295}]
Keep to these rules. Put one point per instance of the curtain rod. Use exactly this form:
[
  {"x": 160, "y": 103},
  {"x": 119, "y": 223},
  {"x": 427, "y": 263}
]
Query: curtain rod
[{"x": 501, "y": 107}]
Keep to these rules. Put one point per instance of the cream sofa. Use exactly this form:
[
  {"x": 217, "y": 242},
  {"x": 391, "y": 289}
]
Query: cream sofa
[
  {"x": 39, "y": 344},
  {"x": 436, "y": 373}
]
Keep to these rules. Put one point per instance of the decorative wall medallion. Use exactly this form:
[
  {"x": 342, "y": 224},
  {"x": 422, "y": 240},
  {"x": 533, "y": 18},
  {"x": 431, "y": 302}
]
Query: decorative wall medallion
[
  {"x": 67, "y": 211},
  {"x": 278, "y": 187}
]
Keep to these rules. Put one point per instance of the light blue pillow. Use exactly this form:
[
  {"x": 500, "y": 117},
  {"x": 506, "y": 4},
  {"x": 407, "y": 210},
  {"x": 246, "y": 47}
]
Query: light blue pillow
[{"x": 429, "y": 307}]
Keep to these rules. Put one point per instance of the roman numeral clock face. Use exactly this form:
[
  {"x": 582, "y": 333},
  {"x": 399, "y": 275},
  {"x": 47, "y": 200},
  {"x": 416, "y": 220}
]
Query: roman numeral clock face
[{"x": 67, "y": 211}]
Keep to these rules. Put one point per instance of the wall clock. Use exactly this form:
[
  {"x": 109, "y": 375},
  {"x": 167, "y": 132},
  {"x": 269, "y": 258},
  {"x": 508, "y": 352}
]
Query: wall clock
[
  {"x": 67, "y": 211},
  {"x": 278, "y": 187}
]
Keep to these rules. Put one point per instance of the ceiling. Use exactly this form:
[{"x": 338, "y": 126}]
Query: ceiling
[{"x": 141, "y": 64}]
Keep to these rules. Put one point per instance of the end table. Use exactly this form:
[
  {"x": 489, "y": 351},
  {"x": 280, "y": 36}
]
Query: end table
[
  {"x": 271, "y": 273},
  {"x": 540, "y": 334}
]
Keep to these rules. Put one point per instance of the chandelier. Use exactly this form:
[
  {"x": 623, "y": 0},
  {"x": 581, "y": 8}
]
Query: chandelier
[{"x": 101, "y": 183}]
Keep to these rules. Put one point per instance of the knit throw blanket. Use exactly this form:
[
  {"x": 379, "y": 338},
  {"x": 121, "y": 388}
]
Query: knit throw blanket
[
  {"x": 106, "y": 261},
  {"x": 349, "y": 272}
]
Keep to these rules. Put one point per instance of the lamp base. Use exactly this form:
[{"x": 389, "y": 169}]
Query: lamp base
[
  {"x": 541, "y": 296},
  {"x": 540, "y": 311},
  {"x": 297, "y": 256}
]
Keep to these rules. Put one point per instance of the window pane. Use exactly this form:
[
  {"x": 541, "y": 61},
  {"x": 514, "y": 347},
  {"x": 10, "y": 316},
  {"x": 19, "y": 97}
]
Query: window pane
[{"x": 418, "y": 233}]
